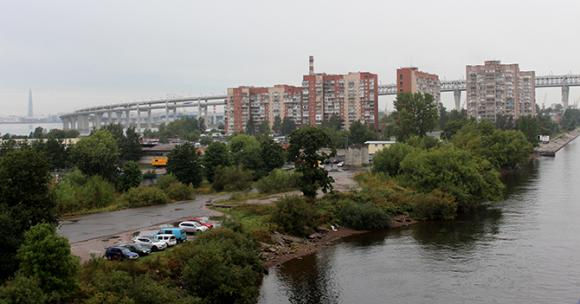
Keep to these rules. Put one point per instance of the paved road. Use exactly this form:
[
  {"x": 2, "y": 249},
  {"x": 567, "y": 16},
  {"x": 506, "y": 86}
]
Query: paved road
[{"x": 110, "y": 223}]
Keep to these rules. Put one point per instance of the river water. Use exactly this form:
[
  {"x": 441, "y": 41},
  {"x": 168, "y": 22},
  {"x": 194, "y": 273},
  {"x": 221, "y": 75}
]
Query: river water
[{"x": 525, "y": 249}]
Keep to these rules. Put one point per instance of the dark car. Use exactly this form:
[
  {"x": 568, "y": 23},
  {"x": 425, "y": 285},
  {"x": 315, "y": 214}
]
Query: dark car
[
  {"x": 120, "y": 253},
  {"x": 138, "y": 249}
]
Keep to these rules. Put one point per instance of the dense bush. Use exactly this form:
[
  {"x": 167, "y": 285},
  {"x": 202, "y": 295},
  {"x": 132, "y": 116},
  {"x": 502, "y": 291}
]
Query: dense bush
[
  {"x": 278, "y": 181},
  {"x": 435, "y": 205},
  {"x": 164, "y": 181},
  {"x": 144, "y": 196},
  {"x": 294, "y": 215},
  {"x": 233, "y": 178},
  {"x": 77, "y": 192},
  {"x": 388, "y": 159},
  {"x": 179, "y": 192},
  {"x": 362, "y": 215},
  {"x": 130, "y": 176}
]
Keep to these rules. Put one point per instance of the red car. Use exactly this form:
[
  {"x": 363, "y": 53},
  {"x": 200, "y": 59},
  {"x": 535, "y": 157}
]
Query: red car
[{"x": 201, "y": 221}]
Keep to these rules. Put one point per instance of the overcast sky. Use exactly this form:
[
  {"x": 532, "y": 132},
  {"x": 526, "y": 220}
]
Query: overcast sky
[{"x": 77, "y": 53}]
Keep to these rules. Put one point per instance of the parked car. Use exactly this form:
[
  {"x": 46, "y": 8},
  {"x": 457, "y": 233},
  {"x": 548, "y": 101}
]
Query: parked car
[
  {"x": 170, "y": 239},
  {"x": 179, "y": 233},
  {"x": 150, "y": 242},
  {"x": 192, "y": 227},
  {"x": 137, "y": 248},
  {"x": 340, "y": 164},
  {"x": 120, "y": 253},
  {"x": 201, "y": 221}
]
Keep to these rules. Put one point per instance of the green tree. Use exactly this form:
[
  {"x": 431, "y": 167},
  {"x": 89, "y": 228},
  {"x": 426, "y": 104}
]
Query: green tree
[
  {"x": 38, "y": 133},
  {"x": 224, "y": 268},
  {"x": 130, "y": 176},
  {"x": 272, "y": 155},
  {"x": 97, "y": 154},
  {"x": 470, "y": 180},
  {"x": 233, "y": 178},
  {"x": 251, "y": 126},
  {"x": 46, "y": 256},
  {"x": 504, "y": 122},
  {"x": 25, "y": 201},
  {"x": 277, "y": 125},
  {"x": 416, "y": 114},
  {"x": 570, "y": 120},
  {"x": 264, "y": 129},
  {"x": 294, "y": 215},
  {"x": 22, "y": 290},
  {"x": 288, "y": 126},
  {"x": 451, "y": 128},
  {"x": 184, "y": 163},
  {"x": 360, "y": 133},
  {"x": 216, "y": 155},
  {"x": 388, "y": 160},
  {"x": 305, "y": 151},
  {"x": 131, "y": 145},
  {"x": 333, "y": 122},
  {"x": 246, "y": 152},
  {"x": 530, "y": 126}
]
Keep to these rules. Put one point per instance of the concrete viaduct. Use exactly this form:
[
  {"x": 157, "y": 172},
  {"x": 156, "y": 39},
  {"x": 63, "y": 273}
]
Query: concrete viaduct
[{"x": 95, "y": 117}]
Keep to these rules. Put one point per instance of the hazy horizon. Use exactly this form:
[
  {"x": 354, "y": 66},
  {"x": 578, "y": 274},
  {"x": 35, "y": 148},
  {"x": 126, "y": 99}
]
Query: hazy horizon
[{"x": 77, "y": 54}]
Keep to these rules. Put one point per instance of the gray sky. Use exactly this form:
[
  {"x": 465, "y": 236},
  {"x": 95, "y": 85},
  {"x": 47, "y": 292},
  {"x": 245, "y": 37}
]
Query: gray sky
[{"x": 76, "y": 53}]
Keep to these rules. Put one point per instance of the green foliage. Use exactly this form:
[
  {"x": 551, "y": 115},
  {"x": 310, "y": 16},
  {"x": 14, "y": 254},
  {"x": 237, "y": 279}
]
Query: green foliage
[
  {"x": 388, "y": 160},
  {"x": 216, "y": 155},
  {"x": 362, "y": 215},
  {"x": 25, "y": 200},
  {"x": 278, "y": 181},
  {"x": 179, "y": 192},
  {"x": 144, "y": 196},
  {"x": 451, "y": 128},
  {"x": 55, "y": 151},
  {"x": 61, "y": 134},
  {"x": 271, "y": 154},
  {"x": 570, "y": 120},
  {"x": 164, "y": 181},
  {"x": 233, "y": 178},
  {"x": 304, "y": 151},
  {"x": 129, "y": 142},
  {"x": 264, "y": 129},
  {"x": 184, "y": 163},
  {"x": 416, "y": 114},
  {"x": 504, "y": 122},
  {"x": 425, "y": 142},
  {"x": 223, "y": 266},
  {"x": 246, "y": 152},
  {"x": 277, "y": 125},
  {"x": 46, "y": 256},
  {"x": 22, "y": 290},
  {"x": 288, "y": 126},
  {"x": 130, "y": 177},
  {"x": 468, "y": 179},
  {"x": 294, "y": 215},
  {"x": 504, "y": 149},
  {"x": 360, "y": 133},
  {"x": 97, "y": 154},
  {"x": 78, "y": 192},
  {"x": 186, "y": 128},
  {"x": 435, "y": 205}
]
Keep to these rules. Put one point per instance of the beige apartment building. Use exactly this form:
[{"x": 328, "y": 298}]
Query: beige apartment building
[
  {"x": 411, "y": 80},
  {"x": 499, "y": 89}
]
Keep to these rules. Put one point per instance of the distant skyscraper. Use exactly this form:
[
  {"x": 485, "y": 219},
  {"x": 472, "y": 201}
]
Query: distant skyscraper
[{"x": 30, "y": 113}]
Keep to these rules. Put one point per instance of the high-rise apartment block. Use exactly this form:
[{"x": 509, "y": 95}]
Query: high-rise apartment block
[
  {"x": 261, "y": 104},
  {"x": 351, "y": 97},
  {"x": 500, "y": 89},
  {"x": 411, "y": 80}
]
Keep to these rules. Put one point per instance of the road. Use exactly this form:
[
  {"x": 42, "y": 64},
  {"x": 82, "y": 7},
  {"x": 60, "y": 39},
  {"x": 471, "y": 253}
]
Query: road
[{"x": 104, "y": 224}]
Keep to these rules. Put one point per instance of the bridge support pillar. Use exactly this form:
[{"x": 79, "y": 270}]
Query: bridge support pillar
[
  {"x": 166, "y": 112},
  {"x": 205, "y": 115},
  {"x": 65, "y": 123},
  {"x": 175, "y": 111},
  {"x": 457, "y": 97},
  {"x": 138, "y": 119},
  {"x": 149, "y": 122},
  {"x": 118, "y": 117},
  {"x": 127, "y": 118},
  {"x": 565, "y": 96},
  {"x": 109, "y": 118},
  {"x": 98, "y": 118}
]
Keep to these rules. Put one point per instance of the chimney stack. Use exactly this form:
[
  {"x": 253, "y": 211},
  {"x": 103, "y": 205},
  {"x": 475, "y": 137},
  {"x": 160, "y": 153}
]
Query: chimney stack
[{"x": 311, "y": 65}]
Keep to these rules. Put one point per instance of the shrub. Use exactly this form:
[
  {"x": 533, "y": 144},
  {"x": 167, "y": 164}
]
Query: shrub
[
  {"x": 362, "y": 215},
  {"x": 179, "y": 192},
  {"x": 435, "y": 205},
  {"x": 278, "y": 181},
  {"x": 144, "y": 196},
  {"x": 164, "y": 181},
  {"x": 130, "y": 177},
  {"x": 233, "y": 178},
  {"x": 96, "y": 193},
  {"x": 75, "y": 192},
  {"x": 388, "y": 159},
  {"x": 294, "y": 215}
]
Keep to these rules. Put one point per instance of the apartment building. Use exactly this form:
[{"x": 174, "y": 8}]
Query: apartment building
[
  {"x": 261, "y": 104},
  {"x": 499, "y": 89},
  {"x": 352, "y": 97},
  {"x": 411, "y": 80}
]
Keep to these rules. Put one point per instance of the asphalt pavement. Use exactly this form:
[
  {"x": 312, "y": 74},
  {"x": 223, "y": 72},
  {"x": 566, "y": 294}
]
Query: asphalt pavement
[{"x": 87, "y": 227}]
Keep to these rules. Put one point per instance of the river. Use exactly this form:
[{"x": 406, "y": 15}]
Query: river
[
  {"x": 525, "y": 249},
  {"x": 26, "y": 128}
]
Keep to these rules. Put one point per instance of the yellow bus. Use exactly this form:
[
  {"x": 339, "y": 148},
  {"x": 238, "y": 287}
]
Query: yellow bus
[{"x": 159, "y": 161}]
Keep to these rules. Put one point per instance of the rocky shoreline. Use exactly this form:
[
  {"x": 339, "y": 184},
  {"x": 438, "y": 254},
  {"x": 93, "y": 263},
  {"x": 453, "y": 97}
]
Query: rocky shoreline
[{"x": 286, "y": 247}]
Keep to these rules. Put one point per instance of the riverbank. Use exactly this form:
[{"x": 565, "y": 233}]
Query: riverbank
[
  {"x": 287, "y": 248},
  {"x": 556, "y": 144}
]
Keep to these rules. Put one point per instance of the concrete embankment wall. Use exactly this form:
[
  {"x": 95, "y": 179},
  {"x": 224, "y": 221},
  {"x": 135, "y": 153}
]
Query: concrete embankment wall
[{"x": 556, "y": 144}]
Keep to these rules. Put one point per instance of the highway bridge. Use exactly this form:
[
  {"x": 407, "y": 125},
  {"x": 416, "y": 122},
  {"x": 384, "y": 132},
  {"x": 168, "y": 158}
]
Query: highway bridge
[{"x": 95, "y": 117}]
